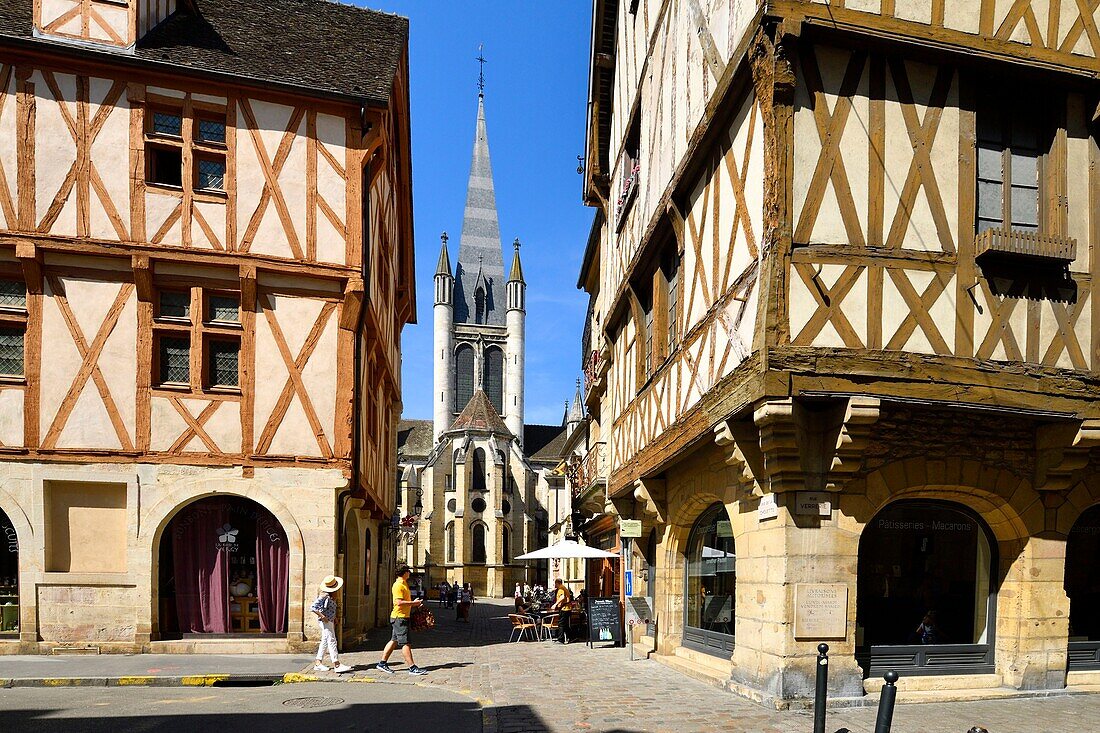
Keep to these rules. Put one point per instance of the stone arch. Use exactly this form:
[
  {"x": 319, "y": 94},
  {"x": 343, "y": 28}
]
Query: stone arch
[
  {"x": 165, "y": 510},
  {"x": 26, "y": 562},
  {"x": 478, "y": 529}
]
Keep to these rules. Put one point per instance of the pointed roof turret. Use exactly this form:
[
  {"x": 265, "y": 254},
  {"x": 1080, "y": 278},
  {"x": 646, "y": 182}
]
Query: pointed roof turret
[
  {"x": 516, "y": 275},
  {"x": 444, "y": 266},
  {"x": 479, "y": 251},
  {"x": 479, "y": 414}
]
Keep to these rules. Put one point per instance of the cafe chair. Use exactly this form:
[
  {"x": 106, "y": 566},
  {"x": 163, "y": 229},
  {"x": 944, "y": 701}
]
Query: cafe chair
[
  {"x": 522, "y": 626},
  {"x": 549, "y": 626}
]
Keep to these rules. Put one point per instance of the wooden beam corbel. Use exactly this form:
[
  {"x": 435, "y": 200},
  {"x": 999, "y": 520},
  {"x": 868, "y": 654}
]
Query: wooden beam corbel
[
  {"x": 29, "y": 259},
  {"x": 1062, "y": 453},
  {"x": 779, "y": 445},
  {"x": 740, "y": 439},
  {"x": 143, "y": 277},
  {"x": 860, "y": 415},
  {"x": 650, "y": 493},
  {"x": 354, "y": 296}
]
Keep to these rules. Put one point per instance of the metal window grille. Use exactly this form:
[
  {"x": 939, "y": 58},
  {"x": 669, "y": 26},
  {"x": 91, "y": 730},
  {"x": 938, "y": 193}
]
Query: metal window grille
[
  {"x": 11, "y": 352},
  {"x": 13, "y": 294},
  {"x": 225, "y": 309},
  {"x": 212, "y": 131},
  {"x": 224, "y": 358},
  {"x": 212, "y": 174},
  {"x": 175, "y": 304},
  {"x": 175, "y": 361},
  {"x": 166, "y": 123}
]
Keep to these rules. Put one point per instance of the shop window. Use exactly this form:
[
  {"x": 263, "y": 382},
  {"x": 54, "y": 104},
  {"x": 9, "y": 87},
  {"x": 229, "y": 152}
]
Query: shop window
[
  {"x": 13, "y": 327},
  {"x": 1083, "y": 588},
  {"x": 925, "y": 598},
  {"x": 9, "y": 577},
  {"x": 192, "y": 328},
  {"x": 710, "y": 580},
  {"x": 464, "y": 376},
  {"x": 477, "y": 551},
  {"x": 185, "y": 151},
  {"x": 85, "y": 527}
]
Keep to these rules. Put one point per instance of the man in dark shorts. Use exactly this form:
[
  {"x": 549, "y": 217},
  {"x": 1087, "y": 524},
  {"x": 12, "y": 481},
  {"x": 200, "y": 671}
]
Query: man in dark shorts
[{"x": 403, "y": 606}]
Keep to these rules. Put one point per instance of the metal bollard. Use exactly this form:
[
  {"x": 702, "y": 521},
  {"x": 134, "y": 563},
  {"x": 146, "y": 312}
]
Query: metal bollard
[
  {"x": 886, "y": 703},
  {"x": 822, "y": 687}
]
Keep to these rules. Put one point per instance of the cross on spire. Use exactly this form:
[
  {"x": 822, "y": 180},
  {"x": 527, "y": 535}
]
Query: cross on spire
[{"x": 481, "y": 69}]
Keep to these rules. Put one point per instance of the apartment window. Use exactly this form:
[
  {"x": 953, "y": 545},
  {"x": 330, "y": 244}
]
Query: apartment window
[
  {"x": 13, "y": 326},
  {"x": 671, "y": 271},
  {"x": 171, "y": 134},
  {"x": 657, "y": 290},
  {"x": 1011, "y": 143},
  {"x": 631, "y": 168},
  {"x": 197, "y": 338}
]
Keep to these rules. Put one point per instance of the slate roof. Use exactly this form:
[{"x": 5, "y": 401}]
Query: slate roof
[
  {"x": 314, "y": 45},
  {"x": 544, "y": 442},
  {"x": 414, "y": 438},
  {"x": 479, "y": 414}
]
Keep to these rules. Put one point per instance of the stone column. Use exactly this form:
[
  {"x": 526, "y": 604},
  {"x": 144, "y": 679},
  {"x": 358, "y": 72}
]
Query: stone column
[{"x": 1033, "y": 614}]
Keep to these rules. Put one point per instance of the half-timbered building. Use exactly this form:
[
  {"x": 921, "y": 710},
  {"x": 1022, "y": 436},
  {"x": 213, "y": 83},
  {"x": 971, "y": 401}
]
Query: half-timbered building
[
  {"x": 205, "y": 267},
  {"x": 848, "y": 353}
]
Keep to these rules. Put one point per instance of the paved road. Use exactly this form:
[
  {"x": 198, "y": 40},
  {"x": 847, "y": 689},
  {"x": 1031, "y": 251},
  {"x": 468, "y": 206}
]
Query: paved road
[
  {"x": 542, "y": 686},
  {"x": 313, "y": 706}
]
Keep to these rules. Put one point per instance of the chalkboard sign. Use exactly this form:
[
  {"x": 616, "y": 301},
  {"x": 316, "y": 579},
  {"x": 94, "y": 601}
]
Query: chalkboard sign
[{"x": 605, "y": 622}]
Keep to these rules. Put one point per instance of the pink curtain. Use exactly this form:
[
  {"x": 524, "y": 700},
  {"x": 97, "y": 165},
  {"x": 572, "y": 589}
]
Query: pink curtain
[
  {"x": 201, "y": 569},
  {"x": 272, "y": 572}
]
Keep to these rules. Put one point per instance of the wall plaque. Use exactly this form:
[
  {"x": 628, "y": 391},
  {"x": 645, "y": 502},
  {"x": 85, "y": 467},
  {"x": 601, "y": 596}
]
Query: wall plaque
[
  {"x": 814, "y": 503},
  {"x": 768, "y": 508},
  {"x": 820, "y": 610},
  {"x": 630, "y": 528}
]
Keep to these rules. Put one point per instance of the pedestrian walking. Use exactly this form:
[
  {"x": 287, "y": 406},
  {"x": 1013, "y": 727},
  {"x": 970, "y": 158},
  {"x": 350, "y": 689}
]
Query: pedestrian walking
[
  {"x": 325, "y": 609},
  {"x": 465, "y": 600},
  {"x": 519, "y": 599},
  {"x": 403, "y": 606}
]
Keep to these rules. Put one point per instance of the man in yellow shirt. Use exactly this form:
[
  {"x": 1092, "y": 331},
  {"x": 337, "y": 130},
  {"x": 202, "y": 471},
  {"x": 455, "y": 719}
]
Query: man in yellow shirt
[{"x": 403, "y": 606}]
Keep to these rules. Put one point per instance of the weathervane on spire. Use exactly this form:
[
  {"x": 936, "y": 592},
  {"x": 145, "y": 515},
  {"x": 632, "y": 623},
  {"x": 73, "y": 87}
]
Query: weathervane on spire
[{"x": 481, "y": 69}]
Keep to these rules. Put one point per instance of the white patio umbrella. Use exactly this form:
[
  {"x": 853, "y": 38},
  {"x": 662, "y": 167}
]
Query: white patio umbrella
[{"x": 564, "y": 550}]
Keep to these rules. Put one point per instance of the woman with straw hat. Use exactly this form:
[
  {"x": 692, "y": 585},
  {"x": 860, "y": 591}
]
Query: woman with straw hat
[{"x": 325, "y": 610}]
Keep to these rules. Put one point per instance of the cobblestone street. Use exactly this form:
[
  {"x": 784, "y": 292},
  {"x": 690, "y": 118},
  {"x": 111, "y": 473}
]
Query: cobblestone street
[{"x": 547, "y": 687}]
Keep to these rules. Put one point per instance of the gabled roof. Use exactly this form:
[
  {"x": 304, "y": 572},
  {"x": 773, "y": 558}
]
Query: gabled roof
[
  {"x": 479, "y": 414},
  {"x": 315, "y": 45},
  {"x": 544, "y": 442},
  {"x": 414, "y": 438}
]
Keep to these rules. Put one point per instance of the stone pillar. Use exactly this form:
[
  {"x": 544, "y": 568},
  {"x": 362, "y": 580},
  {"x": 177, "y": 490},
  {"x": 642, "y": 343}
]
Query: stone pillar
[{"x": 1033, "y": 614}]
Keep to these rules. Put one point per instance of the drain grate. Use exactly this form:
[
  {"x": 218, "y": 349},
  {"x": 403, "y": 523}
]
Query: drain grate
[{"x": 308, "y": 703}]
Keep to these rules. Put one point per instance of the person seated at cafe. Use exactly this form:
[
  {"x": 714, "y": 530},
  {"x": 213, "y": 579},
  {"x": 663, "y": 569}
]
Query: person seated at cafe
[{"x": 519, "y": 599}]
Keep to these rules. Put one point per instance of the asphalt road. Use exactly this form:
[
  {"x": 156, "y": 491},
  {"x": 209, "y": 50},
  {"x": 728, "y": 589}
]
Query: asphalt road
[{"x": 314, "y": 706}]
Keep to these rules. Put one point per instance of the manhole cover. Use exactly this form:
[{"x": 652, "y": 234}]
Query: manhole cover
[{"x": 312, "y": 702}]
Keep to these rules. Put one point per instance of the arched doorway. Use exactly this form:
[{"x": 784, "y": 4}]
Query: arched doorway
[
  {"x": 224, "y": 569},
  {"x": 1083, "y": 589},
  {"x": 9, "y": 578},
  {"x": 926, "y": 600},
  {"x": 710, "y": 577}
]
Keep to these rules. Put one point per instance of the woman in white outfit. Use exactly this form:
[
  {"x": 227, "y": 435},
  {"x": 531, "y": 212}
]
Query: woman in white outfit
[{"x": 325, "y": 609}]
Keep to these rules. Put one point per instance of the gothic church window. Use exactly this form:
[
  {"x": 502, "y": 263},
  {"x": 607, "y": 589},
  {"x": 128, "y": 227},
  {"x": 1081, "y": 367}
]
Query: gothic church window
[
  {"x": 450, "y": 540},
  {"x": 479, "y": 306},
  {"x": 478, "y": 478},
  {"x": 464, "y": 376},
  {"x": 494, "y": 378},
  {"x": 477, "y": 553},
  {"x": 506, "y": 544}
]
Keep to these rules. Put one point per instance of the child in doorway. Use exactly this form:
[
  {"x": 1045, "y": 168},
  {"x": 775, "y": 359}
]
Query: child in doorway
[{"x": 325, "y": 610}]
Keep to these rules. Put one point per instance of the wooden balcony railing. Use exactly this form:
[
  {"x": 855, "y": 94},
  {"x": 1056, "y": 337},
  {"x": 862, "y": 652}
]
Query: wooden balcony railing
[
  {"x": 584, "y": 471},
  {"x": 1025, "y": 244}
]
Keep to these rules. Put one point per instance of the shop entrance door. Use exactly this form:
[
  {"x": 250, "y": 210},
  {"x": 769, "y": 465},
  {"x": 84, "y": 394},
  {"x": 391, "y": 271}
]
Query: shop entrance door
[
  {"x": 709, "y": 584},
  {"x": 925, "y": 599}
]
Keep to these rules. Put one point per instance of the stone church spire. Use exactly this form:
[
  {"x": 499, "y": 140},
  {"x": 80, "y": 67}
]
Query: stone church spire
[{"x": 479, "y": 276}]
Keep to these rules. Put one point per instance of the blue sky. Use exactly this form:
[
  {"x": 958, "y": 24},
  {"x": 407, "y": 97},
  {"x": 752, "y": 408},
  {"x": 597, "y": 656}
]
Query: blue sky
[{"x": 536, "y": 79}]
